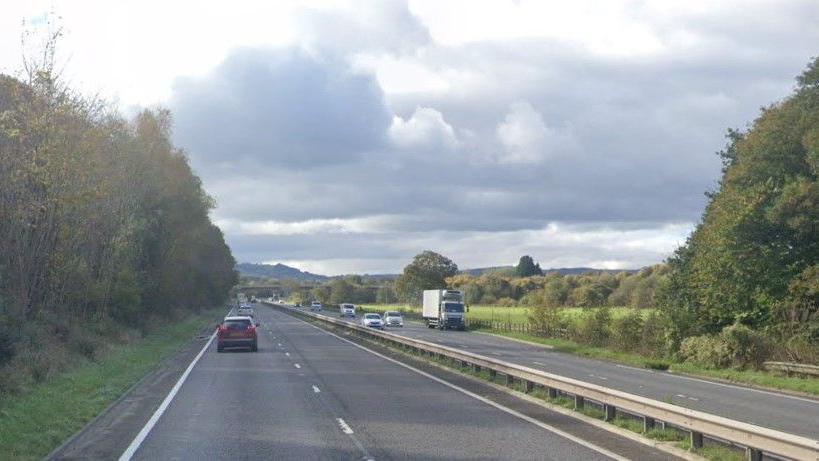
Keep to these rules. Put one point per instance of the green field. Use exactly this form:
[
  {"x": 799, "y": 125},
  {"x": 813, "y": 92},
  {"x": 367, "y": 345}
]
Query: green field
[
  {"x": 33, "y": 424},
  {"x": 497, "y": 313}
]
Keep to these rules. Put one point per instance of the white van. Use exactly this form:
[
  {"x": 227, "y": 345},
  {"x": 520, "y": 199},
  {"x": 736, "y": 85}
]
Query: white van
[{"x": 347, "y": 310}]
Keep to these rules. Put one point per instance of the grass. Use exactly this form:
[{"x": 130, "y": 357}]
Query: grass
[
  {"x": 498, "y": 313},
  {"x": 33, "y": 424}
]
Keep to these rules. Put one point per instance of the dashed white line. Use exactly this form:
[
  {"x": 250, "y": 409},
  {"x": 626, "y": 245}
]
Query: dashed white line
[
  {"x": 297, "y": 365},
  {"x": 682, "y": 396},
  {"x": 316, "y": 389},
  {"x": 485, "y": 400},
  {"x": 345, "y": 428},
  {"x": 539, "y": 363},
  {"x": 287, "y": 354}
]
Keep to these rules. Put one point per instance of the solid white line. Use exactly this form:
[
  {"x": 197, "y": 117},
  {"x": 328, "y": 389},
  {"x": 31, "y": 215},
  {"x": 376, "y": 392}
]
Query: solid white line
[
  {"x": 134, "y": 446},
  {"x": 512, "y": 412},
  {"x": 316, "y": 389}
]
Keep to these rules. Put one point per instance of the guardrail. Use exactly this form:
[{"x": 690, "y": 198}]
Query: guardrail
[
  {"x": 793, "y": 368},
  {"x": 756, "y": 440}
]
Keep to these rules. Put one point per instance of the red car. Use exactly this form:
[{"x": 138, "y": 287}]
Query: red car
[{"x": 236, "y": 332}]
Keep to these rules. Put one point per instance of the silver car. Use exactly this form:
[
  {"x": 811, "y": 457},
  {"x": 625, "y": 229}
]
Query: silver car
[
  {"x": 372, "y": 321},
  {"x": 393, "y": 319}
]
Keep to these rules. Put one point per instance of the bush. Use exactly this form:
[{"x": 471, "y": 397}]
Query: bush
[
  {"x": 736, "y": 346},
  {"x": 746, "y": 347},
  {"x": 507, "y": 302},
  {"x": 594, "y": 327},
  {"x": 653, "y": 337},
  {"x": 705, "y": 351},
  {"x": 546, "y": 321},
  {"x": 626, "y": 333}
]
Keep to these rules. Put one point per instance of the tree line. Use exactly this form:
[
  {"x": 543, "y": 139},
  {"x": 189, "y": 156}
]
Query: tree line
[{"x": 101, "y": 218}]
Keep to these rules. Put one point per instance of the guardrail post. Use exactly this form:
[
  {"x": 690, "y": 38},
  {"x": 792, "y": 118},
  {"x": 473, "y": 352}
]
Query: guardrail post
[
  {"x": 696, "y": 440},
  {"x": 492, "y": 374},
  {"x": 610, "y": 412},
  {"x": 476, "y": 368},
  {"x": 579, "y": 401},
  {"x": 552, "y": 393},
  {"x": 529, "y": 386},
  {"x": 648, "y": 424},
  {"x": 753, "y": 454},
  {"x": 509, "y": 380}
]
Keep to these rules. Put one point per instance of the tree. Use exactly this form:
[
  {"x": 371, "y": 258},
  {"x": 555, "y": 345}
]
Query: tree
[
  {"x": 758, "y": 232},
  {"x": 341, "y": 291},
  {"x": 526, "y": 267},
  {"x": 428, "y": 270}
]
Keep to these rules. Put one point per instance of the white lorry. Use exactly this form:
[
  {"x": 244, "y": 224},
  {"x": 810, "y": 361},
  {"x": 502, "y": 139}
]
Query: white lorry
[{"x": 444, "y": 309}]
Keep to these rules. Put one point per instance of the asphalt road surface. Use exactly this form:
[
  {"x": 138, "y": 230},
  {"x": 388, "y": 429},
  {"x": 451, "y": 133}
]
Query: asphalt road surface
[
  {"x": 792, "y": 414},
  {"x": 307, "y": 394}
]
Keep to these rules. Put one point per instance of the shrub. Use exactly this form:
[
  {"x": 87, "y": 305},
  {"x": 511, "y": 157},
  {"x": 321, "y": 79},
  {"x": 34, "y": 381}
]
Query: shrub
[
  {"x": 706, "y": 351},
  {"x": 736, "y": 346},
  {"x": 594, "y": 327},
  {"x": 546, "y": 320},
  {"x": 745, "y": 347},
  {"x": 507, "y": 302},
  {"x": 626, "y": 333},
  {"x": 653, "y": 336}
]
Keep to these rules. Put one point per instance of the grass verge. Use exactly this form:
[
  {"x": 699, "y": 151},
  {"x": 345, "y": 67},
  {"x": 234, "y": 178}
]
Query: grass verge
[
  {"x": 763, "y": 379},
  {"x": 36, "y": 422}
]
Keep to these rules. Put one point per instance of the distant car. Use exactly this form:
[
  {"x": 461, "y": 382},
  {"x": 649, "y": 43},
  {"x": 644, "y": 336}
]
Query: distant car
[
  {"x": 246, "y": 311},
  {"x": 347, "y": 310},
  {"x": 236, "y": 332},
  {"x": 315, "y": 306},
  {"x": 372, "y": 321},
  {"x": 393, "y": 319},
  {"x": 297, "y": 305}
]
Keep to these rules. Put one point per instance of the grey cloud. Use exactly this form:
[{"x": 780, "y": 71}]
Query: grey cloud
[{"x": 278, "y": 108}]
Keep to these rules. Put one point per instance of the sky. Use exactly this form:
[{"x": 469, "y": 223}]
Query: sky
[{"x": 346, "y": 137}]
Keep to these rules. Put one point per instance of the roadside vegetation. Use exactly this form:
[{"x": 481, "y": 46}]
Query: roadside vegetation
[
  {"x": 104, "y": 229},
  {"x": 35, "y": 423}
]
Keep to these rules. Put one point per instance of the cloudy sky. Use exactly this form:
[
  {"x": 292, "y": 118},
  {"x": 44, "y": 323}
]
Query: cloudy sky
[{"x": 348, "y": 136}]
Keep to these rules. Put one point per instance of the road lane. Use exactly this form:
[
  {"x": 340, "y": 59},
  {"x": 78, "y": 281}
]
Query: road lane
[
  {"x": 341, "y": 403},
  {"x": 783, "y": 412}
]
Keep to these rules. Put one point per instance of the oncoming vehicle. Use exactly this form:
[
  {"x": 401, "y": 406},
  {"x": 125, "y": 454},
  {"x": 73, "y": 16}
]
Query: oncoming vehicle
[
  {"x": 347, "y": 310},
  {"x": 236, "y": 332},
  {"x": 315, "y": 306},
  {"x": 393, "y": 319},
  {"x": 372, "y": 321}
]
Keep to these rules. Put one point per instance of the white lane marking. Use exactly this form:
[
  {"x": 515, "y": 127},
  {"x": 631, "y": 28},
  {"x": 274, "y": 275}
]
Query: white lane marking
[
  {"x": 134, "y": 446},
  {"x": 682, "y": 396},
  {"x": 279, "y": 344},
  {"x": 287, "y": 354},
  {"x": 539, "y": 363},
  {"x": 694, "y": 399},
  {"x": 512, "y": 412},
  {"x": 345, "y": 428},
  {"x": 316, "y": 389},
  {"x": 297, "y": 365}
]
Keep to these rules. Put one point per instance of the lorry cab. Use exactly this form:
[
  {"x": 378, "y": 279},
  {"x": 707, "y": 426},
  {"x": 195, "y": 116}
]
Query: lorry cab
[{"x": 444, "y": 309}]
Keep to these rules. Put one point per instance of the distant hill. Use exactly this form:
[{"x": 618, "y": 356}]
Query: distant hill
[
  {"x": 285, "y": 272},
  {"x": 278, "y": 272},
  {"x": 560, "y": 270}
]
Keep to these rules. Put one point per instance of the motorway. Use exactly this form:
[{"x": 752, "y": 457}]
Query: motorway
[
  {"x": 308, "y": 394},
  {"x": 796, "y": 415}
]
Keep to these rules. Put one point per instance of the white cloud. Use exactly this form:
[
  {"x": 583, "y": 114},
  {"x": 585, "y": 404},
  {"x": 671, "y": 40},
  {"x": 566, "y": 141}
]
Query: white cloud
[
  {"x": 527, "y": 139},
  {"x": 426, "y": 128}
]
